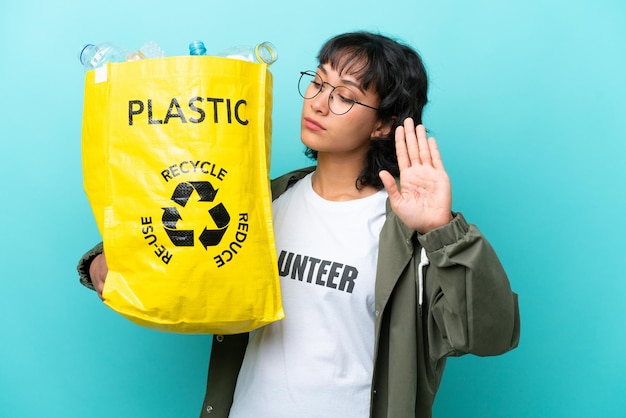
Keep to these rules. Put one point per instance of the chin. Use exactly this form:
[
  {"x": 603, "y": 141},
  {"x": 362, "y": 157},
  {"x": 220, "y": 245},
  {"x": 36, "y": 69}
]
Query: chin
[{"x": 310, "y": 140}]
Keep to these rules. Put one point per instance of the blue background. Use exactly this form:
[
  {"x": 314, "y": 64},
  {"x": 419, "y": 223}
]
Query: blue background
[{"x": 527, "y": 103}]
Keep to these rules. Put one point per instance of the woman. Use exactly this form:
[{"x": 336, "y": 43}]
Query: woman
[{"x": 380, "y": 280}]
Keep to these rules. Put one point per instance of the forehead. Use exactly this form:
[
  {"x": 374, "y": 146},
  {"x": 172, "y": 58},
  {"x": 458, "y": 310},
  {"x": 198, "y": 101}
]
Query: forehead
[
  {"x": 345, "y": 79},
  {"x": 347, "y": 62}
]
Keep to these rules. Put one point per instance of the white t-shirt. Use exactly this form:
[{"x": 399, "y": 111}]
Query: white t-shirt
[{"x": 318, "y": 361}]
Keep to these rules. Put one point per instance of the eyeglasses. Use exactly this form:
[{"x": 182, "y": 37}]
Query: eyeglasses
[{"x": 340, "y": 100}]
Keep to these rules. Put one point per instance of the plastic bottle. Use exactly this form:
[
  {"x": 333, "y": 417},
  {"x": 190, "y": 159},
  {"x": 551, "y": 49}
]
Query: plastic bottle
[
  {"x": 151, "y": 50},
  {"x": 93, "y": 56},
  {"x": 265, "y": 52}
]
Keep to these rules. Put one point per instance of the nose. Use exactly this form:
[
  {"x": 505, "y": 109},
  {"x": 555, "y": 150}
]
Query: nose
[{"x": 320, "y": 103}]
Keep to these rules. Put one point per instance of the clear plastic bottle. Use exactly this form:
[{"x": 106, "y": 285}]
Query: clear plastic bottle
[
  {"x": 151, "y": 50},
  {"x": 93, "y": 56},
  {"x": 265, "y": 52}
]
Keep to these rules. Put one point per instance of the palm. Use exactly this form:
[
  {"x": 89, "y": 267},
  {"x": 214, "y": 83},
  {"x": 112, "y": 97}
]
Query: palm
[{"x": 424, "y": 199}]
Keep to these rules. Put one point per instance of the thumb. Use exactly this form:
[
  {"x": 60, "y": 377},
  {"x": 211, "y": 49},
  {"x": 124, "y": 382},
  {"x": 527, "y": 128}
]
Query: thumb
[{"x": 390, "y": 184}]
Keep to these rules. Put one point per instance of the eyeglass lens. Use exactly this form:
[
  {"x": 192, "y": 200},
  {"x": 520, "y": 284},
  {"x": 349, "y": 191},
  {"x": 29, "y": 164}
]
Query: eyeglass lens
[{"x": 340, "y": 100}]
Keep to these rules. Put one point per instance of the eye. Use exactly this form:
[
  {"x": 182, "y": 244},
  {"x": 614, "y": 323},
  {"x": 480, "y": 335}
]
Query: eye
[
  {"x": 345, "y": 99},
  {"x": 344, "y": 94},
  {"x": 316, "y": 80}
]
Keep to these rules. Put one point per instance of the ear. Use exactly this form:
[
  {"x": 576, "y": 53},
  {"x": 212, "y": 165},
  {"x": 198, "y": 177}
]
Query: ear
[{"x": 383, "y": 128}]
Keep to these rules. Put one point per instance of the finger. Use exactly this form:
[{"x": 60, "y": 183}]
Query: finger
[
  {"x": 435, "y": 155},
  {"x": 411, "y": 141},
  {"x": 99, "y": 288},
  {"x": 401, "y": 151},
  {"x": 390, "y": 184},
  {"x": 422, "y": 143}
]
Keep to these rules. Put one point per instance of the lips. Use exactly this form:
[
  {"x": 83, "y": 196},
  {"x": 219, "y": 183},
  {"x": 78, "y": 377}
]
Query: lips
[{"x": 313, "y": 125}]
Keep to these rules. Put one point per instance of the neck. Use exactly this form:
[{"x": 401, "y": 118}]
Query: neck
[{"x": 335, "y": 178}]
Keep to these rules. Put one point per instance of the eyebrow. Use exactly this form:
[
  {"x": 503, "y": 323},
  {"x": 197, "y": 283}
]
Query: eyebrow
[{"x": 344, "y": 81}]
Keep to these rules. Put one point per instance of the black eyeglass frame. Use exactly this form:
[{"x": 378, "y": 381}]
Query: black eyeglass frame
[{"x": 330, "y": 95}]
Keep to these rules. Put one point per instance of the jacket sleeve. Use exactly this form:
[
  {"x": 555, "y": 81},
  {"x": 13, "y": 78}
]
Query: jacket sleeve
[
  {"x": 471, "y": 308},
  {"x": 85, "y": 262}
]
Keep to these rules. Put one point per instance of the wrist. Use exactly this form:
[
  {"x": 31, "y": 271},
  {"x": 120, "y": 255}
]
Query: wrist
[{"x": 445, "y": 220}]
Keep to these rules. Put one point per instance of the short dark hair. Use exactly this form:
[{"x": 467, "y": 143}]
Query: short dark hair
[{"x": 396, "y": 73}]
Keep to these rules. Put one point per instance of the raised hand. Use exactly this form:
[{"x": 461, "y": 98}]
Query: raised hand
[{"x": 424, "y": 200}]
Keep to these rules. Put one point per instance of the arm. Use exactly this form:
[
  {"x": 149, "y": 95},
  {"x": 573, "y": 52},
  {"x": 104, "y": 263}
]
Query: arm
[{"x": 471, "y": 308}]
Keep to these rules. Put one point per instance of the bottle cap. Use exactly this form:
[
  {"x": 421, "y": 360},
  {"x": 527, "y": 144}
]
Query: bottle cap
[{"x": 197, "y": 48}]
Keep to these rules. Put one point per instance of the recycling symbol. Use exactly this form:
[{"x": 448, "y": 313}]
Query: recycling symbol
[{"x": 211, "y": 235}]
